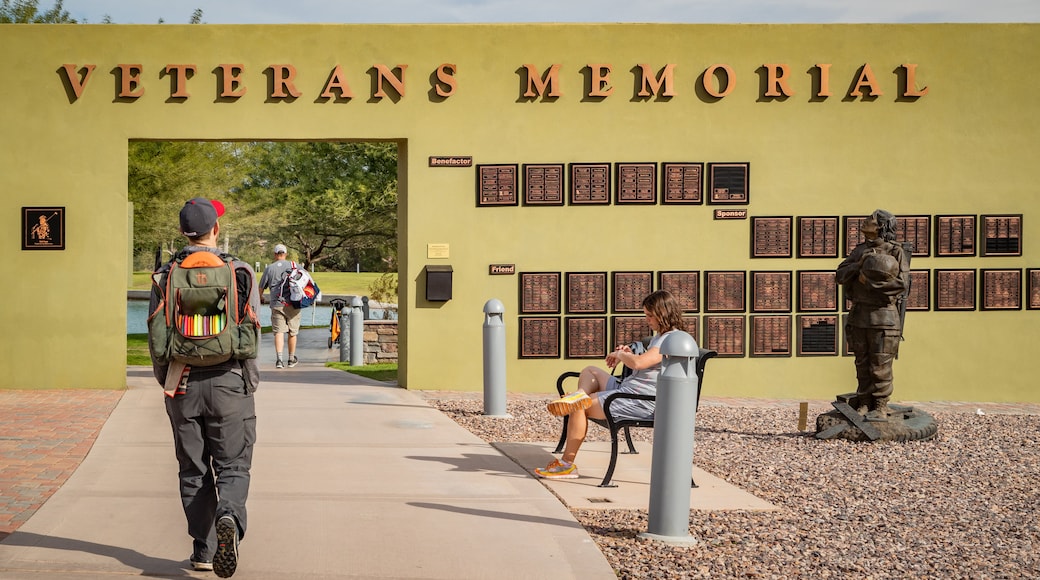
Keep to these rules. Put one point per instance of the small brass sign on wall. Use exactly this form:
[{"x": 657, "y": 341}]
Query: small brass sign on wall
[{"x": 43, "y": 228}]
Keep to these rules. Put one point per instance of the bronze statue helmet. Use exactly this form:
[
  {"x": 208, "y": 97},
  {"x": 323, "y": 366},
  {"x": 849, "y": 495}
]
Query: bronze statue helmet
[{"x": 879, "y": 267}]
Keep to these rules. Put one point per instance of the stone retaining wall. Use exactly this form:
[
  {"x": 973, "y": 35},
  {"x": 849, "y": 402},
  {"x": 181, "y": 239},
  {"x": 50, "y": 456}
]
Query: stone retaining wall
[{"x": 380, "y": 341}]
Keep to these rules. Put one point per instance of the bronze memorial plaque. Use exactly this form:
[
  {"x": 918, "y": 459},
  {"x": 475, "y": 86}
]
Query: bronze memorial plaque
[
  {"x": 917, "y": 230},
  {"x": 629, "y": 329},
  {"x": 852, "y": 236},
  {"x": 587, "y": 337},
  {"x": 771, "y": 237},
  {"x": 724, "y": 335},
  {"x": 497, "y": 185},
  {"x": 590, "y": 183},
  {"x": 1002, "y": 235},
  {"x": 586, "y": 292},
  {"x": 1002, "y": 289},
  {"x": 540, "y": 293},
  {"x": 817, "y": 335},
  {"x": 630, "y": 288},
  {"x": 682, "y": 183},
  {"x": 818, "y": 237},
  {"x": 955, "y": 289},
  {"x": 636, "y": 183},
  {"x": 920, "y": 290},
  {"x": 728, "y": 183},
  {"x": 543, "y": 184},
  {"x": 690, "y": 326},
  {"x": 539, "y": 337},
  {"x": 724, "y": 292},
  {"x": 817, "y": 291},
  {"x": 684, "y": 286},
  {"x": 1034, "y": 289},
  {"x": 955, "y": 235},
  {"x": 770, "y": 291},
  {"x": 770, "y": 335}
]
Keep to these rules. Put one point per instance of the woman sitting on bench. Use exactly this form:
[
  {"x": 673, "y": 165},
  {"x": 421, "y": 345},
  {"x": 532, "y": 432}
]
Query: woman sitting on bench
[{"x": 664, "y": 315}]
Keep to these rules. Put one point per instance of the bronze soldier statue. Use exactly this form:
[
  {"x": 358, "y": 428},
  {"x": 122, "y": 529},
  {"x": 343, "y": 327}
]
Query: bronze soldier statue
[{"x": 876, "y": 277}]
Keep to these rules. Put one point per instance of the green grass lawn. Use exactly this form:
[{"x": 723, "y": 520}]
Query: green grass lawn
[{"x": 349, "y": 283}]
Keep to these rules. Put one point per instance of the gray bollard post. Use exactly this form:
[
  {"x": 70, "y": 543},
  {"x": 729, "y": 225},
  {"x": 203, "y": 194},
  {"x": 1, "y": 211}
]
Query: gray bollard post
[
  {"x": 357, "y": 333},
  {"x": 344, "y": 334},
  {"x": 494, "y": 359},
  {"x": 670, "y": 470},
  {"x": 365, "y": 311}
]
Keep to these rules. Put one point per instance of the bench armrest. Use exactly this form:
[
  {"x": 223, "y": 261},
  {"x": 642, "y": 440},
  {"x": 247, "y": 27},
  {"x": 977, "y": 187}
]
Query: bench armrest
[{"x": 562, "y": 378}]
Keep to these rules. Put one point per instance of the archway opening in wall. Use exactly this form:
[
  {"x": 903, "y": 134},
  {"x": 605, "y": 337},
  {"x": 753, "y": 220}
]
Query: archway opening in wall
[{"x": 332, "y": 203}]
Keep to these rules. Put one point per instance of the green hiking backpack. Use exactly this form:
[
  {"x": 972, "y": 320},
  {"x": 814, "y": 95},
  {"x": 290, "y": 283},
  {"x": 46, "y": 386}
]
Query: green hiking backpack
[{"x": 203, "y": 317}]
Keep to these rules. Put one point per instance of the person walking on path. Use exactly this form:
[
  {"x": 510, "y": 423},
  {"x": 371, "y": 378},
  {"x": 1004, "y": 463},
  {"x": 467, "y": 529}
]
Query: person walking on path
[
  {"x": 285, "y": 317},
  {"x": 212, "y": 412}
]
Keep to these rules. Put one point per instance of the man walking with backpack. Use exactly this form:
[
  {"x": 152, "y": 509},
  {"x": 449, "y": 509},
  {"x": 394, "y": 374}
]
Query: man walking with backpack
[
  {"x": 203, "y": 337},
  {"x": 285, "y": 316}
]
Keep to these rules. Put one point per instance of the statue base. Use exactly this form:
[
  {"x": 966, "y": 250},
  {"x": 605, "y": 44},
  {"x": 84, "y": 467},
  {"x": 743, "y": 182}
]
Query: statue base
[{"x": 903, "y": 423}]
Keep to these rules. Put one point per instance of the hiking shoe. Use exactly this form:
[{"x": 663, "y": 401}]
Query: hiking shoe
[
  {"x": 576, "y": 401},
  {"x": 201, "y": 565},
  {"x": 279, "y": 364},
  {"x": 556, "y": 470},
  {"x": 293, "y": 362},
  {"x": 225, "y": 561}
]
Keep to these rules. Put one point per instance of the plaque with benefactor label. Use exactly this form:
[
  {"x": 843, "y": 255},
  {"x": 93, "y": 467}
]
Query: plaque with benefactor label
[
  {"x": 1002, "y": 289},
  {"x": 540, "y": 293},
  {"x": 817, "y": 291},
  {"x": 724, "y": 292},
  {"x": 1034, "y": 288},
  {"x": 586, "y": 292},
  {"x": 539, "y": 337},
  {"x": 590, "y": 183},
  {"x": 955, "y": 235},
  {"x": 724, "y": 335},
  {"x": 630, "y": 288},
  {"x": 817, "y": 335},
  {"x": 955, "y": 289},
  {"x": 916, "y": 230},
  {"x": 728, "y": 183},
  {"x": 920, "y": 290},
  {"x": 818, "y": 237},
  {"x": 543, "y": 184},
  {"x": 587, "y": 337},
  {"x": 497, "y": 185},
  {"x": 684, "y": 287},
  {"x": 771, "y": 237},
  {"x": 770, "y": 291},
  {"x": 770, "y": 335},
  {"x": 636, "y": 183},
  {"x": 629, "y": 329},
  {"x": 1002, "y": 235},
  {"x": 682, "y": 183}
]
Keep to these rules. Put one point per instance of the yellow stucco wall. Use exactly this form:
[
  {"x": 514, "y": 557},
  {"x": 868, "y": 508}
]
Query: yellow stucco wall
[{"x": 967, "y": 147}]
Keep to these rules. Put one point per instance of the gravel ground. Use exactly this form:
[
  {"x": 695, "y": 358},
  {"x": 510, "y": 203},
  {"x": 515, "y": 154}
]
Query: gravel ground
[{"x": 963, "y": 505}]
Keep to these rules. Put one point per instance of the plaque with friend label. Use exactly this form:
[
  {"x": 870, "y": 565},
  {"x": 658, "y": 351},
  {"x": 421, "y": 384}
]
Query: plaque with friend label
[
  {"x": 724, "y": 335},
  {"x": 817, "y": 291},
  {"x": 955, "y": 235},
  {"x": 770, "y": 291},
  {"x": 1001, "y": 289},
  {"x": 540, "y": 293},
  {"x": 920, "y": 290},
  {"x": 853, "y": 237},
  {"x": 817, "y": 335},
  {"x": 770, "y": 335},
  {"x": 586, "y": 292},
  {"x": 917, "y": 230},
  {"x": 955, "y": 289},
  {"x": 685, "y": 288},
  {"x": 728, "y": 183},
  {"x": 682, "y": 183},
  {"x": 1002, "y": 235},
  {"x": 539, "y": 337},
  {"x": 629, "y": 329},
  {"x": 818, "y": 237},
  {"x": 590, "y": 183},
  {"x": 587, "y": 337},
  {"x": 543, "y": 184},
  {"x": 636, "y": 183},
  {"x": 630, "y": 288},
  {"x": 497, "y": 185},
  {"x": 724, "y": 292}
]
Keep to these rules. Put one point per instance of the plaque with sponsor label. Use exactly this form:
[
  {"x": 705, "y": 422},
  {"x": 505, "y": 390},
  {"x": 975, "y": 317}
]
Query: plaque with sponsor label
[
  {"x": 682, "y": 183},
  {"x": 724, "y": 292},
  {"x": 817, "y": 335},
  {"x": 771, "y": 237},
  {"x": 1001, "y": 289},
  {"x": 770, "y": 291},
  {"x": 497, "y": 185},
  {"x": 630, "y": 288},
  {"x": 728, "y": 183},
  {"x": 817, "y": 291},
  {"x": 685, "y": 288},
  {"x": 955, "y": 289},
  {"x": 540, "y": 293},
  {"x": 43, "y": 228},
  {"x": 636, "y": 183},
  {"x": 590, "y": 183},
  {"x": 724, "y": 335},
  {"x": 853, "y": 237},
  {"x": 586, "y": 292},
  {"x": 920, "y": 290},
  {"x": 1034, "y": 288},
  {"x": 629, "y": 329},
  {"x": 1002, "y": 235},
  {"x": 587, "y": 337},
  {"x": 539, "y": 337},
  {"x": 543, "y": 184},
  {"x": 917, "y": 230},
  {"x": 818, "y": 237},
  {"x": 770, "y": 335},
  {"x": 955, "y": 235}
]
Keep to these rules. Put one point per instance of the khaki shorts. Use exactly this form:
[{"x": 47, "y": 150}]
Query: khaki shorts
[{"x": 285, "y": 318}]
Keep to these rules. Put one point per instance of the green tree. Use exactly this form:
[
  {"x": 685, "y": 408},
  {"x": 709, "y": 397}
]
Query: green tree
[{"x": 28, "y": 12}]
